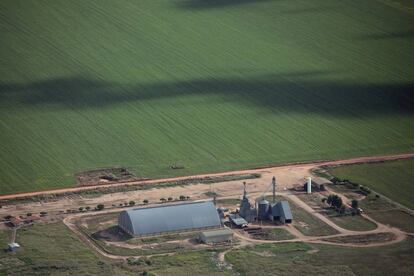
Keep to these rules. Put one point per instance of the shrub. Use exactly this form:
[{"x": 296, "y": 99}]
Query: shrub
[
  {"x": 100, "y": 207},
  {"x": 163, "y": 200},
  {"x": 145, "y": 201},
  {"x": 354, "y": 204},
  {"x": 132, "y": 203},
  {"x": 87, "y": 208},
  {"x": 182, "y": 197},
  {"x": 29, "y": 214},
  {"x": 170, "y": 199},
  {"x": 81, "y": 209}
]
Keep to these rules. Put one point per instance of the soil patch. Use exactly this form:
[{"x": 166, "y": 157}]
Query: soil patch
[{"x": 105, "y": 176}]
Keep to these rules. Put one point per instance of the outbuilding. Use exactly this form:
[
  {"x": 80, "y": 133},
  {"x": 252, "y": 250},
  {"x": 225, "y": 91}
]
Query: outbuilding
[
  {"x": 13, "y": 247},
  {"x": 281, "y": 211},
  {"x": 216, "y": 236},
  {"x": 238, "y": 220}
]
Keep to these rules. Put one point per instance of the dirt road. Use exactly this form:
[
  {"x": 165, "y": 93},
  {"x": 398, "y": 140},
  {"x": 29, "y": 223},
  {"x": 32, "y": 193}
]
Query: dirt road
[{"x": 259, "y": 170}]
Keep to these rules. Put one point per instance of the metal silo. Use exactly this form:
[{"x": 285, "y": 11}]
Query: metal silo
[{"x": 263, "y": 209}]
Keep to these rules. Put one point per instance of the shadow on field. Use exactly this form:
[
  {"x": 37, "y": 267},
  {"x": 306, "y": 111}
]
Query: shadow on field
[
  {"x": 300, "y": 92},
  {"x": 208, "y": 4},
  {"x": 393, "y": 35}
]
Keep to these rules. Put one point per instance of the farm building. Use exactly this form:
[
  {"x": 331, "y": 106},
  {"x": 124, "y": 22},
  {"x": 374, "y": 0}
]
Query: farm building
[
  {"x": 281, "y": 212},
  {"x": 13, "y": 247},
  {"x": 169, "y": 218},
  {"x": 238, "y": 220},
  {"x": 264, "y": 210},
  {"x": 216, "y": 236}
]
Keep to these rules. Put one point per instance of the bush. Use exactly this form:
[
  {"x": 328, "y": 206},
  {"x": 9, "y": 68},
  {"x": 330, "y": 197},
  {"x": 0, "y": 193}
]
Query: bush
[
  {"x": 145, "y": 201},
  {"x": 163, "y": 200},
  {"x": 182, "y": 197},
  {"x": 100, "y": 207},
  {"x": 354, "y": 204},
  {"x": 29, "y": 214},
  {"x": 87, "y": 208},
  {"x": 170, "y": 199},
  {"x": 132, "y": 203},
  {"x": 81, "y": 209}
]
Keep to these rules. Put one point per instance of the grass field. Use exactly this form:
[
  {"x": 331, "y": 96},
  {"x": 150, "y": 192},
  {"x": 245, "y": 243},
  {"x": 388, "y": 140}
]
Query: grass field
[
  {"x": 300, "y": 259},
  {"x": 208, "y": 85},
  {"x": 53, "y": 250},
  {"x": 392, "y": 179}
]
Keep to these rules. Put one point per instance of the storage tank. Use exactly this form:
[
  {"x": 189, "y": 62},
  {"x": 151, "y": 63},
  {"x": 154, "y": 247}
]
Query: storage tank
[{"x": 263, "y": 210}]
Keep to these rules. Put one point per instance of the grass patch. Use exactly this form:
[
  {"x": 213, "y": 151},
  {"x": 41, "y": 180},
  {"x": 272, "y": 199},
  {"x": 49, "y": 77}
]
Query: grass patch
[
  {"x": 363, "y": 239},
  {"x": 355, "y": 223},
  {"x": 317, "y": 259},
  {"x": 147, "y": 84},
  {"x": 392, "y": 179},
  {"x": 52, "y": 249}
]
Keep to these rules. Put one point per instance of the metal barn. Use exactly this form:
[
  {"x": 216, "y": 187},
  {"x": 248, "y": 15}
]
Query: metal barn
[
  {"x": 217, "y": 236},
  {"x": 169, "y": 218}
]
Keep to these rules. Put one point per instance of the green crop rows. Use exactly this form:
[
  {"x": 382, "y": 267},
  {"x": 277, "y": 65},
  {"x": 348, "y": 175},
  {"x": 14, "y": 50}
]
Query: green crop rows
[{"x": 204, "y": 85}]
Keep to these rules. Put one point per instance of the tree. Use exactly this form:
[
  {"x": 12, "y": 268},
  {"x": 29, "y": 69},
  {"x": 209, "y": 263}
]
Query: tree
[
  {"x": 188, "y": 198},
  {"x": 342, "y": 209},
  {"x": 145, "y": 201},
  {"x": 334, "y": 201},
  {"x": 132, "y": 203},
  {"x": 182, "y": 197},
  {"x": 100, "y": 207},
  {"x": 354, "y": 204}
]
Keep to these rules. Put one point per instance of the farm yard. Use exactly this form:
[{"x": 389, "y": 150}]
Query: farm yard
[{"x": 179, "y": 87}]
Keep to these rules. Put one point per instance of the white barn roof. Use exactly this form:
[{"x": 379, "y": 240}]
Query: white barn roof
[{"x": 169, "y": 218}]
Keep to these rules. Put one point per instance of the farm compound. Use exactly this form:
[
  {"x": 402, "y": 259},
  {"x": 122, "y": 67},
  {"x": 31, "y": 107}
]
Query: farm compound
[{"x": 170, "y": 218}]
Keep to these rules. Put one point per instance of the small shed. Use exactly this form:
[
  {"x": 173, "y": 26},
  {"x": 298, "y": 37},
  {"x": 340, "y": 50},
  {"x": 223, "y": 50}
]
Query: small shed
[
  {"x": 238, "y": 220},
  {"x": 217, "y": 236},
  {"x": 13, "y": 247}
]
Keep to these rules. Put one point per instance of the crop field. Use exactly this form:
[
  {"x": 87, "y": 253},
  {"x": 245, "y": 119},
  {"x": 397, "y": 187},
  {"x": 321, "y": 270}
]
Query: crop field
[
  {"x": 392, "y": 179},
  {"x": 201, "y": 85}
]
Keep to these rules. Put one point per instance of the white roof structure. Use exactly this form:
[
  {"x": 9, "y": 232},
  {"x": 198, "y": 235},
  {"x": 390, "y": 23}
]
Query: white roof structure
[{"x": 169, "y": 218}]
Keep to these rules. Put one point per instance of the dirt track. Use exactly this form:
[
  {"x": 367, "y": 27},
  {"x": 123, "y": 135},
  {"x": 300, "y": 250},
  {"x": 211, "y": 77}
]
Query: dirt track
[{"x": 260, "y": 170}]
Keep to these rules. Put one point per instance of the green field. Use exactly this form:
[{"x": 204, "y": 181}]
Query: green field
[
  {"x": 208, "y": 85},
  {"x": 392, "y": 179}
]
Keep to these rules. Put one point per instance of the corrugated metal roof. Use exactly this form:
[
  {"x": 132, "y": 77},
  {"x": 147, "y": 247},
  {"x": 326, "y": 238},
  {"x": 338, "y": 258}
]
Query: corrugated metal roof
[
  {"x": 161, "y": 219},
  {"x": 237, "y": 220},
  {"x": 285, "y": 210},
  {"x": 216, "y": 233}
]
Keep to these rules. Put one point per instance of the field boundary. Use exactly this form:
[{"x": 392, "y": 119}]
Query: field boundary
[{"x": 317, "y": 163}]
